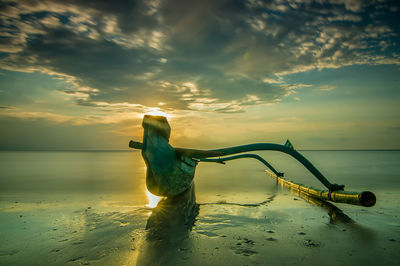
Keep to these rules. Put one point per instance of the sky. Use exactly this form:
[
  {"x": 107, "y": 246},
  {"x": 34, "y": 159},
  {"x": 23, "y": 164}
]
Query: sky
[{"x": 80, "y": 75}]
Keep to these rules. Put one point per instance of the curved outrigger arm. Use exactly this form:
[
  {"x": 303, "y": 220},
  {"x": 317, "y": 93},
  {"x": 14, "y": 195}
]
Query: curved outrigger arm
[
  {"x": 364, "y": 198},
  {"x": 240, "y": 156},
  {"x": 202, "y": 155},
  {"x": 282, "y": 148}
]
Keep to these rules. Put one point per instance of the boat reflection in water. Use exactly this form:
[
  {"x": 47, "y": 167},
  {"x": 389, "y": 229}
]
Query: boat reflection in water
[
  {"x": 173, "y": 216},
  {"x": 336, "y": 215},
  {"x": 168, "y": 229}
]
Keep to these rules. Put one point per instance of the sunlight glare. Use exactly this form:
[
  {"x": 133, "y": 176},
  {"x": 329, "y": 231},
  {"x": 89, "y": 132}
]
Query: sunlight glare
[
  {"x": 156, "y": 112},
  {"x": 153, "y": 199}
]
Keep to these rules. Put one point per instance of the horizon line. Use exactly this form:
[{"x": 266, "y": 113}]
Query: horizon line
[{"x": 130, "y": 149}]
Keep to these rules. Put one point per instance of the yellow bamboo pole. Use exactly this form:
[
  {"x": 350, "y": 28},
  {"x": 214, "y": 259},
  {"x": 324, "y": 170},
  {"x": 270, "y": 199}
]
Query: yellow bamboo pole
[{"x": 365, "y": 198}]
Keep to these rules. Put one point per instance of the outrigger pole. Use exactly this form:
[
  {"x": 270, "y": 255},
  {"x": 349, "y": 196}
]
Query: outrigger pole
[
  {"x": 365, "y": 198},
  {"x": 170, "y": 171}
]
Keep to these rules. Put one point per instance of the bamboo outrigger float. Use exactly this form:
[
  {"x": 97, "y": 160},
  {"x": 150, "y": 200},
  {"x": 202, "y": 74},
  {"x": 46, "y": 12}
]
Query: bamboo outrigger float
[
  {"x": 365, "y": 198},
  {"x": 170, "y": 171}
]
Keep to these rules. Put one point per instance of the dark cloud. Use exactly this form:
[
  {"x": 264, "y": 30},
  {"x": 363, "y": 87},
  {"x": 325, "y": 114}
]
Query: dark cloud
[{"x": 200, "y": 55}]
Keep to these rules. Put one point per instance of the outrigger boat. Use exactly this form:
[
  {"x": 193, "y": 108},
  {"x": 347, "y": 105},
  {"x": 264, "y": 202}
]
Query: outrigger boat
[{"x": 170, "y": 171}]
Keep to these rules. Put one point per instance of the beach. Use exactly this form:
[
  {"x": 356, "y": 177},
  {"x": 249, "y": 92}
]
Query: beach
[{"x": 92, "y": 208}]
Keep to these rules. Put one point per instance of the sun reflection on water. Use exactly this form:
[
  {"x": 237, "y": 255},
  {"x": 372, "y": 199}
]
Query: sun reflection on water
[{"x": 153, "y": 199}]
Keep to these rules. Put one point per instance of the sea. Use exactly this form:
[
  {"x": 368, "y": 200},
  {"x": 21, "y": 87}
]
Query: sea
[{"x": 85, "y": 207}]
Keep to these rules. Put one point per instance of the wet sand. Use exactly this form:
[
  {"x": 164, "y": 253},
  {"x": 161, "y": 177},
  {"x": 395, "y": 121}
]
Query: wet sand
[{"x": 286, "y": 230}]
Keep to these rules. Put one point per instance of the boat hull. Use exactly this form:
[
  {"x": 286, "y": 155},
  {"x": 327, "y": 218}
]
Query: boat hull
[{"x": 168, "y": 174}]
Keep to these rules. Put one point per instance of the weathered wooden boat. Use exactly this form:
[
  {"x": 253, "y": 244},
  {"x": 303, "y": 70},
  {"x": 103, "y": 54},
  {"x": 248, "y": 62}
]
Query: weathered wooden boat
[
  {"x": 170, "y": 171},
  {"x": 168, "y": 174}
]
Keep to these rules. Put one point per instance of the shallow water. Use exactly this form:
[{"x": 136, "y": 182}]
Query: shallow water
[{"x": 90, "y": 208}]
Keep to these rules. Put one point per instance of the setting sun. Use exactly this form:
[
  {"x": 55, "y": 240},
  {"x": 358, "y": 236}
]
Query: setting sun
[{"x": 156, "y": 112}]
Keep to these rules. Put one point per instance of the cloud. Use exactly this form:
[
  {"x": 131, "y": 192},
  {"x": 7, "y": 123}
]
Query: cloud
[
  {"x": 214, "y": 56},
  {"x": 273, "y": 81},
  {"x": 105, "y": 113},
  {"x": 326, "y": 87},
  {"x": 37, "y": 115}
]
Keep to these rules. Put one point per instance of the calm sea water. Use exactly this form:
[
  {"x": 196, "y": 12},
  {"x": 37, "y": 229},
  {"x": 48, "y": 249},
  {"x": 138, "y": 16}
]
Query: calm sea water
[{"x": 120, "y": 176}]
